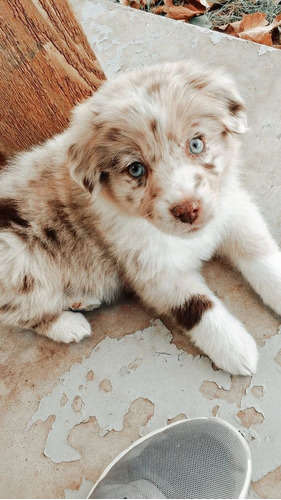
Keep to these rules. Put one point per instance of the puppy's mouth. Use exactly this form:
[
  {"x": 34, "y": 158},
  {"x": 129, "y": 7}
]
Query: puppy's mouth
[{"x": 193, "y": 229}]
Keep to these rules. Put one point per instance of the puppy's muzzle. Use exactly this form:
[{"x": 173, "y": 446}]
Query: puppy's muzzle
[{"x": 187, "y": 211}]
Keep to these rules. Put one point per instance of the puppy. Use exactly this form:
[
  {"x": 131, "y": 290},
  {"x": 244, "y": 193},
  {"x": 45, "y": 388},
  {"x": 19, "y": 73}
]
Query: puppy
[{"x": 141, "y": 188}]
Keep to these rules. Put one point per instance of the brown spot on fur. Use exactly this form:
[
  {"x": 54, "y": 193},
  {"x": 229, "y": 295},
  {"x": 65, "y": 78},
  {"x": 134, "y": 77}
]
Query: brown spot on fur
[
  {"x": 209, "y": 166},
  {"x": 235, "y": 107},
  {"x": 3, "y": 159},
  {"x": 23, "y": 235},
  {"x": 189, "y": 314},
  {"x": 51, "y": 234},
  {"x": 73, "y": 152},
  {"x": 88, "y": 184},
  {"x": 153, "y": 88},
  {"x": 141, "y": 182},
  {"x": 153, "y": 126},
  {"x": 43, "y": 245},
  {"x": 61, "y": 213},
  {"x": 9, "y": 214},
  {"x": 129, "y": 199},
  {"x": 28, "y": 284},
  {"x": 199, "y": 83},
  {"x": 6, "y": 308},
  {"x": 104, "y": 176},
  {"x": 171, "y": 137},
  {"x": 198, "y": 180},
  {"x": 114, "y": 135}
]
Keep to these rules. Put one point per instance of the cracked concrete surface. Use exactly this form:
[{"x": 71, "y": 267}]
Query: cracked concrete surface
[{"x": 68, "y": 410}]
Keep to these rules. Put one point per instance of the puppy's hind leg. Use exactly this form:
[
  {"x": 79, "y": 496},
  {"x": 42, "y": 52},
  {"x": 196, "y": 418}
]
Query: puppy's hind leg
[
  {"x": 65, "y": 327},
  {"x": 40, "y": 310}
]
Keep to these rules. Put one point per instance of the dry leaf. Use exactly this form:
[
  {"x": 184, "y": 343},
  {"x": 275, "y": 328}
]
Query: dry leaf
[
  {"x": 137, "y": 4},
  {"x": 257, "y": 35},
  {"x": 131, "y": 3},
  {"x": 180, "y": 12},
  {"x": 276, "y": 21},
  {"x": 230, "y": 29},
  {"x": 236, "y": 26},
  {"x": 216, "y": 5},
  {"x": 184, "y": 12},
  {"x": 252, "y": 21},
  {"x": 255, "y": 27},
  {"x": 198, "y": 4}
]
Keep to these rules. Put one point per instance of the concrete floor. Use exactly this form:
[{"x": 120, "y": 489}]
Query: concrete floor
[{"x": 67, "y": 410}]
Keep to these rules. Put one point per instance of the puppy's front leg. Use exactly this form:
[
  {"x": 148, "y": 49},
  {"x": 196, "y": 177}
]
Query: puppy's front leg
[
  {"x": 211, "y": 327},
  {"x": 250, "y": 247}
]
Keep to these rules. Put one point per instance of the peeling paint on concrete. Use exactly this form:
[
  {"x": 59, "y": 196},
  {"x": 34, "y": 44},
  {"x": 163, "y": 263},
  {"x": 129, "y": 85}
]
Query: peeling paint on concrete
[
  {"x": 263, "y": 49},
  {"x": 257, "y": 391},
  {"x": 170, "y": 379},
  {"x": 216, "y": 37},
  {"x": 83, "y": 491},
  {"x": 271, "y": 482},
  {"x": 215, "y": 410},
  {"x": 181, "y": 416},
  {"x": 234, "y": 395},
  {"x": 264, "y": 438},
  {"x": 106, "y": 385},
  {"x": 250, "y": 416},
  {"x": 102, "y": 36}
]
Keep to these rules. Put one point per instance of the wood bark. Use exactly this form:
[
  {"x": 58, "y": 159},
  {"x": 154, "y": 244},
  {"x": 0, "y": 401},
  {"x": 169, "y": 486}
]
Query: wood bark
[{"x": 46, "y": 67}]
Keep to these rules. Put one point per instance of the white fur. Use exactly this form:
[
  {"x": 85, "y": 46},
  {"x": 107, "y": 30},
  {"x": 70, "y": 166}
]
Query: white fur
[{"x": 69, "y": 327}]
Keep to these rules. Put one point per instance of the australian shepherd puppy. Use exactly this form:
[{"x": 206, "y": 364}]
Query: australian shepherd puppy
[{"x": 140, "y": 189}]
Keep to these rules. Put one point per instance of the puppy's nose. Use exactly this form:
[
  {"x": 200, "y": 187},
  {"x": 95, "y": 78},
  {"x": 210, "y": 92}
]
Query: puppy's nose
[{"x": 187, "y": 211}]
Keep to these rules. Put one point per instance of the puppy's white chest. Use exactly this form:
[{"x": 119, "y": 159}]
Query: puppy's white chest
[{"x": 157, "y": 252}]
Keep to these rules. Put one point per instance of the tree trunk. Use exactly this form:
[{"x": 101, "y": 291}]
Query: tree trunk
[{"x": 46, "y": 67}]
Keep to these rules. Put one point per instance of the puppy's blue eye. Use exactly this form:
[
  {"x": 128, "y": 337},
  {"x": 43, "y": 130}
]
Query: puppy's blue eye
[
  {"x": 196, "y": 146},
  {"x": 136, "y": 170}
]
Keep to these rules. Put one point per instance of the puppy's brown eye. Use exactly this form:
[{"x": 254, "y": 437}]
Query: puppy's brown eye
[
  {"x": 196, "y": 146},
  {"x": 136, "y": 170}
]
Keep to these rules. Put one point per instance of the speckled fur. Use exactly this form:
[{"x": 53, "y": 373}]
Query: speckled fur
[{"x": 75, "y": 226}]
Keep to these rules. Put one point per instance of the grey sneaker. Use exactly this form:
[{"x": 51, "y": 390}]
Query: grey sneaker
[{"x": 196, "y": 458}]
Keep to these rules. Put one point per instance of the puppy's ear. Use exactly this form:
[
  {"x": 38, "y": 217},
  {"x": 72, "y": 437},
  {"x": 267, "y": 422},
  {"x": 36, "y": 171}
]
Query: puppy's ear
[
  {"x": 81, "y": 155},
  {"x": 82, "y": 167},
  {"x": 236, "y": 117}
]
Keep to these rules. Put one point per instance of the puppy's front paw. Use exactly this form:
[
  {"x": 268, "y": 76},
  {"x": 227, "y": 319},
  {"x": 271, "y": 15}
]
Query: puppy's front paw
[
  {"x": 69, "y": 327},
  {"x": 238, "y": 353}
]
